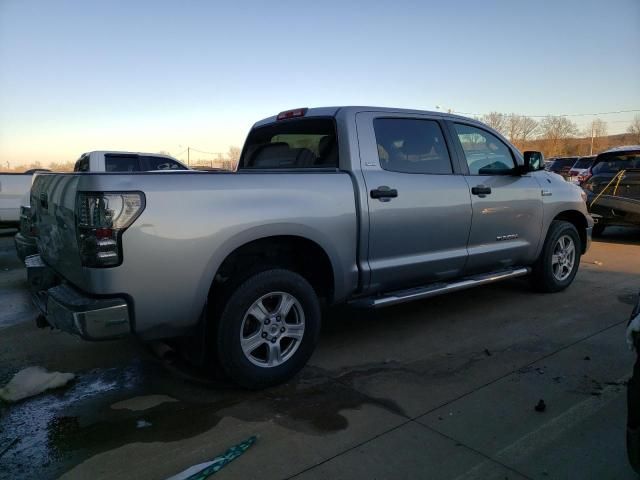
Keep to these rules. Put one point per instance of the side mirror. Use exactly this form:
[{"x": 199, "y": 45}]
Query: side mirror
[{"x": 533, "y": 161}]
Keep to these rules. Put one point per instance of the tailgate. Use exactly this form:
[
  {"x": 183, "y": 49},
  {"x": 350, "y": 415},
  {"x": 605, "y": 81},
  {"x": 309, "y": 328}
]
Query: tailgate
[{"x": 53, "y": 199}]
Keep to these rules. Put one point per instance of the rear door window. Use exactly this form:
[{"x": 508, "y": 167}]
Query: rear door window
[
  {"x": 409, "y": 145},
  {"x": 303, "y": 143},
  {"x": 121, "y": 163}
]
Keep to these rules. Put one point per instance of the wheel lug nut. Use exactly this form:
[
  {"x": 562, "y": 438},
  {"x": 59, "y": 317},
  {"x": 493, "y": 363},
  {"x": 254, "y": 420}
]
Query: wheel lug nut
[
  {"x": 278, "y": 318},
  {"x": 273, "y": 340},
  {"x": 282, "y": 330},
  {"x": 267, "y": 321},
  {"x": 264, "y": 334}
]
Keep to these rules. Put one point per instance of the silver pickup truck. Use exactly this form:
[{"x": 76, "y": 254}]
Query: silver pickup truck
[{"x": 370, "y": 206}]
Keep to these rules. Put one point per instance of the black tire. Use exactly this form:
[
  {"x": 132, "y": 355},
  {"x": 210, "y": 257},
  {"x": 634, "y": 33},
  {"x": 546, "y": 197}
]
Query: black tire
[
  {"x": 544, "y": 279},
  {"x": 598, "y": 229},
  {"x": 231, "y": 356}
]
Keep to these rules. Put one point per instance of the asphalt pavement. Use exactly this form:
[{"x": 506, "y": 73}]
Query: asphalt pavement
[{"x": 442, "y": 388}]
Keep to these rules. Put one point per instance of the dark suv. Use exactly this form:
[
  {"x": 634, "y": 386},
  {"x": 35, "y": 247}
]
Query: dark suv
[{"x": 613, "y": 190}]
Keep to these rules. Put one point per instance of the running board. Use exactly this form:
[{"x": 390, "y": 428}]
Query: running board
[{"x": 402, "y": 296}]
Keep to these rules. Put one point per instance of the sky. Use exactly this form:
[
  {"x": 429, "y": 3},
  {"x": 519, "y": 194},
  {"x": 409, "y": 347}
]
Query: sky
[{"x": 160, "y": 75}]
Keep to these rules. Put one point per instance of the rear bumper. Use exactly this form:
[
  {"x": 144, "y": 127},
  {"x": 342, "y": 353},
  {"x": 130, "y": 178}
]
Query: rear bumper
[
  {"x": 25, "y": 246},
  {"x": 616, "y": 210},
  {"x": 74, "y": 312}
]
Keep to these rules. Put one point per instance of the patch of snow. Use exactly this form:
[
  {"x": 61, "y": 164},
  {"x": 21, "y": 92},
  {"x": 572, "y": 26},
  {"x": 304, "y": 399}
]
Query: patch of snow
[
  {"x": 144, "y": 402},
  {"x": 185, "y": 474},
  {"x": 32, "y": 381}
]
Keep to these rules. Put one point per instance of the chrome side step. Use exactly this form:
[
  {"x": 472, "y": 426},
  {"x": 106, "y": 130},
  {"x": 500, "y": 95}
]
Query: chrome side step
[{"x": 402, "y": 296}]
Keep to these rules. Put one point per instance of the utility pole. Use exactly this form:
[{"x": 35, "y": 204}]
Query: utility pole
[
  {"x": 591, "y": 152},
  {"x": 189, "y": 160}
]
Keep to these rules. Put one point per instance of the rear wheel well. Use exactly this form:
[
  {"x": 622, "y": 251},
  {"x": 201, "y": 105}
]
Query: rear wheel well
[
  {"x": 298, "y": 254},
  {"x": 579, "y": 221}
]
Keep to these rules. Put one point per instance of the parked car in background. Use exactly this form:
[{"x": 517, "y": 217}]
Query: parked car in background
[
  {"x": 14, "y": 187},
  {"x": 548, "y": 162},
  {"x": 613, "y": 189},
  {"x": 232, "y": 266},
  {"x": 633, "y": 392},
  {"x": 580, "y": 168},
  {"x": 97, "y": 161},
  {"x": 562, "y": 166},
  {"x": 110, "y": 161}
]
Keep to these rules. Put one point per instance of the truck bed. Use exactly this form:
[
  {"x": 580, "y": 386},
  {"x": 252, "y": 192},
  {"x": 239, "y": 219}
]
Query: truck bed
[{"x": 190, "y": 223}]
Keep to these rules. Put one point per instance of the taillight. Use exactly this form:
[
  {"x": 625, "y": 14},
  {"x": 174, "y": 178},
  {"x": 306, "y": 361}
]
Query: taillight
[
  {"x": 101, "y": 218},
  {"x": 583, "y": 177}
]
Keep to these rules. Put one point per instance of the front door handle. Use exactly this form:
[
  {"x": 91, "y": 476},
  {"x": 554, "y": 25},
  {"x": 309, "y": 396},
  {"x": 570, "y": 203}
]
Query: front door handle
[
  {"x": 481, "y": 190},
  {"x": 384, "y": 193}
]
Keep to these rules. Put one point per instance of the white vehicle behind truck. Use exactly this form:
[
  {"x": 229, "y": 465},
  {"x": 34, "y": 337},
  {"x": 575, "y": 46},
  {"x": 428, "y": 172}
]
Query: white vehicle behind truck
[
  {"x": 98, "y": 161},
  {"x": 14, "y": 187}
]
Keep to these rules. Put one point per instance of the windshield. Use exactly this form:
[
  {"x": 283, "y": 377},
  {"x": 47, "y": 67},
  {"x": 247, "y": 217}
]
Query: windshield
[{"x": 614, "y": 163}]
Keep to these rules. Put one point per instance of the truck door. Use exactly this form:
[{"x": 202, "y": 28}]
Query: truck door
[
  {"x": 419, "y": 208},
  {"x": 507, "y": 207}
]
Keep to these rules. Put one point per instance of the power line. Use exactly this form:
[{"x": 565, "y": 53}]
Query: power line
[
  {"x": 561, "y": 114},
  {"x": 181, "y": 153},
  {"x": 209, "y": 153}
]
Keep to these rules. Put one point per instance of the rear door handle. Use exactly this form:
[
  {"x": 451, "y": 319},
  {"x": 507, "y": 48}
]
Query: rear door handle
[
  {"x": 481, "y": 190},
  {"x": 384, "y": 193}
]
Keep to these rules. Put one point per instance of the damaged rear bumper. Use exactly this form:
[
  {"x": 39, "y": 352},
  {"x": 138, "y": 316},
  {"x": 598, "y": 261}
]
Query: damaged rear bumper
[
  {"x": 67, "y": 309},
  {"x": 616, "y": 210}
]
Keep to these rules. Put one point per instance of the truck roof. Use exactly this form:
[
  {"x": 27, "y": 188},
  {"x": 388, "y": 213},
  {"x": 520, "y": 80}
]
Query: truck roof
[{"x": 333, "y": 111}]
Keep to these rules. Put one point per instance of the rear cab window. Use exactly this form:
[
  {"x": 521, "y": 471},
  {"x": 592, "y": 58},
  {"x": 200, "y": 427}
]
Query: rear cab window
[
  {"x": 411, "y": 146},
  {"x": 613, "y": 163},
  {"x": 292, "y": 144}
]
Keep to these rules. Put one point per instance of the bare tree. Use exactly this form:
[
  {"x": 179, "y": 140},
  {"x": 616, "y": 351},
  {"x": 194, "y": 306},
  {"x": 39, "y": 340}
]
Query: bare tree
[
  {"x": 495, "y": 120},
  {"x": 596, "y": 130},
  {"x": 233, "y": 156},
  {"x": 555, "y": 130},
  {"x": 634, "y": 129},
  {"x": 513, "y": 127},
  {"x": 528, "y": 128}
]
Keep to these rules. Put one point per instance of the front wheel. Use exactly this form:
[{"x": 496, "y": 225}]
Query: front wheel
[
  {"x": 268, "y": 329},
  {"x": 558, "y": 262}
]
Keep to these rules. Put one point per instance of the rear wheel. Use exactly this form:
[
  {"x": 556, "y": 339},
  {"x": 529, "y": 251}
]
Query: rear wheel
[
  {"x": 268, "y": 329},
  {"x": 558, "y": 262}
]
